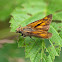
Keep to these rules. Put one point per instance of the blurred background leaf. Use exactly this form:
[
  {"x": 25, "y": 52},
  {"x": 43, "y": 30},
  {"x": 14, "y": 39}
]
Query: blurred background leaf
[
  {"x": 7, "y": 6},
  {"x": 9, "y": 51}
]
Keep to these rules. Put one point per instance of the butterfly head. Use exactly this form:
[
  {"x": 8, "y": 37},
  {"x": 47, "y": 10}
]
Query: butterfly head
[{"x": 19, "y": 30}]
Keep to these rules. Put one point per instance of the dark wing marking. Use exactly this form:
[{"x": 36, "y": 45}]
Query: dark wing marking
[{"x": 42, "y": 24}]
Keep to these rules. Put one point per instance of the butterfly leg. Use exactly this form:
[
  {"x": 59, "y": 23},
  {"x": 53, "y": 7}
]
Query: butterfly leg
[
  {"x": 30, "y": 36},
  {"x": 33, "y": 40},
  {"x": 21, "y": 34},
  {"x": 24, "y": 36}
]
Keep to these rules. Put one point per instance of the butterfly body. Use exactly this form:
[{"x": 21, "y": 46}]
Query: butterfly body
[
  {"x": 38, "y": 28},
  {"x": 25, "y": 30}
]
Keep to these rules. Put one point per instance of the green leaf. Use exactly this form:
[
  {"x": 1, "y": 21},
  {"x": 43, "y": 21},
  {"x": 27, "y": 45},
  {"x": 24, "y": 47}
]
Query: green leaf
[
  {"x": 38, "y": 49},
  {"x": 6, "y": 8},
  {"x": 11, "y": 51},
  {"x": 54, "y": 7},
  {"x": 57, "y": 26}
]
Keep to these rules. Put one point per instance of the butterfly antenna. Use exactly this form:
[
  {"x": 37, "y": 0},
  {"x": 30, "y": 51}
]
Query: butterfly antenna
[{"x": 13, "y": 18}]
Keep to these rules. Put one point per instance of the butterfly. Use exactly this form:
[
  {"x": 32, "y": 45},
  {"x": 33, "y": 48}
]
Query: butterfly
[{"x": 38, "y": 28}]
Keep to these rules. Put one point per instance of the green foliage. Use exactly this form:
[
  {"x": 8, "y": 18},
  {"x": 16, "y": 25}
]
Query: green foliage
[
  {"x": 9, "y": 51},
  {"x": 38, "y": 49},
  {"x": 7, "y": 6}
]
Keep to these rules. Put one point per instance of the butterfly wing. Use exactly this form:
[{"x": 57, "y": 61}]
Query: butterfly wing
[
  {"x": 42, "y": 24},
  {"x": 40, "y": 34}
]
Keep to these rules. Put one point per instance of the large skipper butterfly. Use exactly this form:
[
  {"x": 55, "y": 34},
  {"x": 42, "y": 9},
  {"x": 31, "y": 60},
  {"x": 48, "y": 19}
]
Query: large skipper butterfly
[{"x": 38, "y": 28}]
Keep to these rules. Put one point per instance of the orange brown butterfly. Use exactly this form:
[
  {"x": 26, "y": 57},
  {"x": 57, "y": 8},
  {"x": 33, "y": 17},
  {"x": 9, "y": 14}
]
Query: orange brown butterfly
[{"x": 38, "y": 28}]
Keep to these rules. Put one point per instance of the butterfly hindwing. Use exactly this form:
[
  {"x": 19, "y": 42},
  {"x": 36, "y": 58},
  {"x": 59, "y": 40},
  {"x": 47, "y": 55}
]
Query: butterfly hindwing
[{"x": 40, "y": 34}]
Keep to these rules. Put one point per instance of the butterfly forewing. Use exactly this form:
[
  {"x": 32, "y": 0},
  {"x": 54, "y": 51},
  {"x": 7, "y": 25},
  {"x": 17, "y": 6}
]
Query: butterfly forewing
[{"x": 42, "y": 24}]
